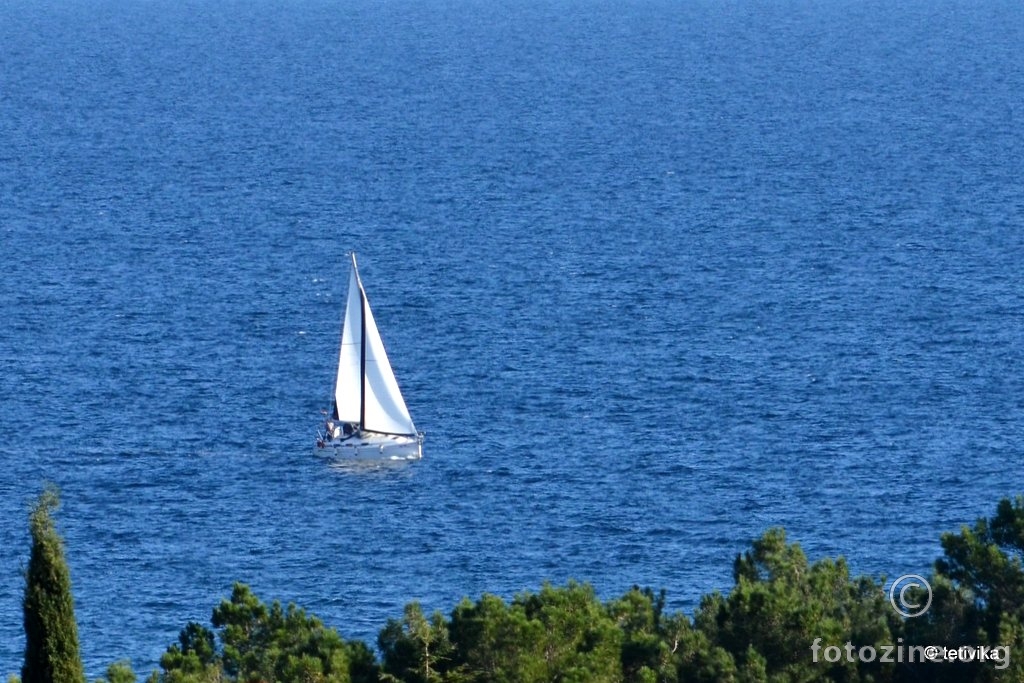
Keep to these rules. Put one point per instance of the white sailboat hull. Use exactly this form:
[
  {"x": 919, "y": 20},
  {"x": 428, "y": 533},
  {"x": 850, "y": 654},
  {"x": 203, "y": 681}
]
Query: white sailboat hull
[{"x": 372, "y": 447}]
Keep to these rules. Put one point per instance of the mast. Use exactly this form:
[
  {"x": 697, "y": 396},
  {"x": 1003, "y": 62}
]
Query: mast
[
  {"x": 355, "y": 366},
  {"x": 362, "y": 352}
]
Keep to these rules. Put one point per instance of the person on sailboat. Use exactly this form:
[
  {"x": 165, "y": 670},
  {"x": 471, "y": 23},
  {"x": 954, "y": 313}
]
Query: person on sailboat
[{"x": 333, "y": 430}]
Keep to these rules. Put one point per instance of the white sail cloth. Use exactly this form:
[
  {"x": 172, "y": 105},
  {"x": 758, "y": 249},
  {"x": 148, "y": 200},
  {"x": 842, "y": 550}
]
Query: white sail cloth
[{"x": 366, "y": 391}]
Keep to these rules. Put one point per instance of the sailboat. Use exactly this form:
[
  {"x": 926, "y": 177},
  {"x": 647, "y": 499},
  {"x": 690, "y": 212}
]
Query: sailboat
[{"x": 368, "y": 419}]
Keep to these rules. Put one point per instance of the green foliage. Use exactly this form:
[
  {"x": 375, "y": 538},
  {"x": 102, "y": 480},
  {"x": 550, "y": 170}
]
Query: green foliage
[
  {"x": 119, "y": 672},
  {"x": 987, "y": 561},
  {"x": 650, "y": 639},
  {"x": 559, "y": 634},
  {"x": 51, "y": 633},
  {"x": 762, "y": 631},
  {"x": 194, "y": 657},
  {"x": 415, "y": 649},
  {"x": 978, "y": 595},
  {"x": 264, "y": 643},
  {"x": 779, "y": 605}
]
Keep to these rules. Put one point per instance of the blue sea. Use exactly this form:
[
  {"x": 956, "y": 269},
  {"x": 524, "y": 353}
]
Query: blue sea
[{"x": 654, "y": 276}]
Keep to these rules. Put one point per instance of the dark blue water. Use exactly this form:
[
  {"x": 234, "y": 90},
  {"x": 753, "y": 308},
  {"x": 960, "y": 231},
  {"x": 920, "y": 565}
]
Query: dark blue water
[{"x": 654, "y": 276}]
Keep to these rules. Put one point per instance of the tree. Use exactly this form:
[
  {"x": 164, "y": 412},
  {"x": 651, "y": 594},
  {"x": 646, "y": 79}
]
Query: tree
[
  {"x": 119, "y": 672},
  {"x": 978, "y": 595},
  {"x": 987, "y": 560},
  {"x": 650, "y": 638},
  {"x": 779, "y": 605},
  {"x": 264, "y": 643},
  {"x": 559, "y": 634},
  {"x": 51, "y": 634},
  {"x": 194, "y": 658},
  {"x": 414, "y": 649}
]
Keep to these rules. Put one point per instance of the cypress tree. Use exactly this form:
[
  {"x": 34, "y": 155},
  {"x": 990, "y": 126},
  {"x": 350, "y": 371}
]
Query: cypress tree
[{"x": 51, "y": 634}]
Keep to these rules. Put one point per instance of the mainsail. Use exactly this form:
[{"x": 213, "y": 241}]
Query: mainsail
[{"x": 366, "y": 392}]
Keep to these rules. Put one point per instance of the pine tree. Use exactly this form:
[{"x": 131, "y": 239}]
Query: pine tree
[{"x": 51, "y": 634}]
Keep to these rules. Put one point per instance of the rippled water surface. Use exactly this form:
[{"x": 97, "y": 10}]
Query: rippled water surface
[{"x": 654, "y": 277}]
